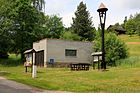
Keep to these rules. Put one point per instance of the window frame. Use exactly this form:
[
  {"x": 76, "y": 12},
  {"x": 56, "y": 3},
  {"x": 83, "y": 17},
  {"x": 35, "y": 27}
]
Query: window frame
[{"x": 68, "y": 53}]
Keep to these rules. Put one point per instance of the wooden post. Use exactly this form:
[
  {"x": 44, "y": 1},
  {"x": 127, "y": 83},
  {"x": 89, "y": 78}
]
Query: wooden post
[
  {"x": 99, "y": 62},
  {"x": 25, "y": 68},
  {"x": 93, "y": 63},
  {"x": 34, "y": 74}
]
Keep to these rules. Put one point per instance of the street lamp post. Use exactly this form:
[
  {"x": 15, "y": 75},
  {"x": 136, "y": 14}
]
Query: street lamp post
[{"x": 102, "y": 15}]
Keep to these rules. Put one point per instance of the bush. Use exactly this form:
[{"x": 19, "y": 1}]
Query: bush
[
  {"x": 13, "y": 60},
  {"x": 70, "y": 36},
  {"x": 3, "y": 55},
  {"x": 115, "y": 49}
]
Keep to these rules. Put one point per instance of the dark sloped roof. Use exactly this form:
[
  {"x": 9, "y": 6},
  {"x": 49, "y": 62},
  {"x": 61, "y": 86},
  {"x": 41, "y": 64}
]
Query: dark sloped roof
[{"x": 29, "y": 51}]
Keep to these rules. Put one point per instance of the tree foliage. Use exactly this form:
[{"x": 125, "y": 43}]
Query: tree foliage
[
  {"x": 19, "y": 23},
  {"x": 115, "y": 49},
  {"x": 82, "y": 23},
  {"x": 25, "y": 22},
  {"x": 68, "y": 35},
  {"x": 132, "y": 25},
  {"x": 53, "y": 27},
  {"x": 5, "y": 25},
  {"x": 22, "y": 23},
  {"x": 38, "y": 4}
]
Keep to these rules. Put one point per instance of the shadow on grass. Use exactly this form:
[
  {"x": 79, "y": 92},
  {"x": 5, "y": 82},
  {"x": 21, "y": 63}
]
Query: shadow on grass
[{"x": 4, "y": 73}]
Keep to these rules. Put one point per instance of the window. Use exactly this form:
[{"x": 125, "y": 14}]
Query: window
[
  {"x": 70, "y": 52},
  {"x": 51, "y": 61}
]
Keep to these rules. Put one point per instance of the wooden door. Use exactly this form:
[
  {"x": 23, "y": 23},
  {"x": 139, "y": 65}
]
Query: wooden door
[{"x": 39, "y": 58}]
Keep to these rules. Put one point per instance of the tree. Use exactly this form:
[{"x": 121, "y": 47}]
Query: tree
[
  {"x": 53, "y": 27},
  {"x": 5, "y": 25},
  {"x": 115, "y": 49},
  {"x": 137, "y": 22},
  {"x": 82, "y": 23},
  {"x": 130, "y": 27},
  {"x": 38, "y": 4},
  {"x": 68, "y": 35},
  {"x": 25, "y": 22},
  {"x": 124, "y": 22},
  {"x": 138, "y": 29},
  {"x": 22, "y": 24}
]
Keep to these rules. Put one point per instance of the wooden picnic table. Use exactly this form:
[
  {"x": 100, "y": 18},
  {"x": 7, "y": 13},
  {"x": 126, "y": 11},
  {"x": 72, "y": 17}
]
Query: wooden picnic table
[{"x": 79, "y": 66}]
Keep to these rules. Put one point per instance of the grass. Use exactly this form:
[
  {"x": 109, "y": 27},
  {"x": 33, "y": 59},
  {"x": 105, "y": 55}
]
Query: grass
[
  {"x": 127, "y": 38},
  {"x": 134, "y": 50},
  {"x": 130, "y": 62},
  {"x": 116, "y": 80},
  {"x": 122, "y": 79}
]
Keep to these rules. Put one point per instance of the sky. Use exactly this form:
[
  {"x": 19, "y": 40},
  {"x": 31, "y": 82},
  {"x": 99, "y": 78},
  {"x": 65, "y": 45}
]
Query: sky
[{"x": 117, "y": 10}]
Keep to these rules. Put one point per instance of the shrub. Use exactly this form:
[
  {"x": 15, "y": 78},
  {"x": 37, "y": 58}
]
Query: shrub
[
  {"x": 115, "y": 49},
  {"x": 13, "y": 60},
  {"x": 70, "y": 36},
  {"x": 3, "y": 55}
]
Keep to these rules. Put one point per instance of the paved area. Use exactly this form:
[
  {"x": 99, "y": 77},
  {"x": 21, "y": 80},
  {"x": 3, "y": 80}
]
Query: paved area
[{"x": 8, "y": 86}]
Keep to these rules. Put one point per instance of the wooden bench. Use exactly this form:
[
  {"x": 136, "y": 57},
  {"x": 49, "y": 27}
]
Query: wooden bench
[{"x": 79, "y": 66}]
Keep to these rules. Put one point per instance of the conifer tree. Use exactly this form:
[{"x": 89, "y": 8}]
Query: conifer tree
[{"x": 82, "y": 23}]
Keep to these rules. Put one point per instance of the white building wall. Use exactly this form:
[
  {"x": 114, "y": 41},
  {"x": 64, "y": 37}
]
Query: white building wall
[
  {"x": 41, "y": 45},
  {"x": 56, "y": 50}
]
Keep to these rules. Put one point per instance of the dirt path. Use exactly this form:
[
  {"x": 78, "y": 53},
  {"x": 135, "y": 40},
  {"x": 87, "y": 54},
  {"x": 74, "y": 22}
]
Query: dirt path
[
  {"x": 133, "y": 43},
  {"x": 8, "y": 86}
]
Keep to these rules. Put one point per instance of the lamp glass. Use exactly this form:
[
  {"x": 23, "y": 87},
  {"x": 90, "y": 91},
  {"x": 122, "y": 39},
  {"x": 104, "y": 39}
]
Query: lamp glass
[{"x": 102, "y": 17}]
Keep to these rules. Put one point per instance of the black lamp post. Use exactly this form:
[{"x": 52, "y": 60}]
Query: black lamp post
[{"x": 102, "y": 14}]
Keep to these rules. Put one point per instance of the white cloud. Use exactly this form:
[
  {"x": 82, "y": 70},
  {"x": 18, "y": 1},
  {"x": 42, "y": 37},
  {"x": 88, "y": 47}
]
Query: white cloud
[
  {"x": 118, "y": 9},
  {"x": 56, "y": 6},
  {"x": 131, "y": 4},
  {"x": 67, "y": 19},
  {"x": 123, "y": 4}
]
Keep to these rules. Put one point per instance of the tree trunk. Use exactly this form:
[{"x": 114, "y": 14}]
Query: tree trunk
[
  {"x": 102, "y": 65},
  {"x": 22, "y": 57}
]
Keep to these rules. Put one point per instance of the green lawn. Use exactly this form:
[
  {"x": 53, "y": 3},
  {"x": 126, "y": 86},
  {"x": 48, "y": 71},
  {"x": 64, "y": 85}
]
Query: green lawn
[
  {"x": 134, "y": 50},
  {"x": 127, "y": 38},
  {"x": 116, "y": 80},
  {"x": 122, "y": 79}
]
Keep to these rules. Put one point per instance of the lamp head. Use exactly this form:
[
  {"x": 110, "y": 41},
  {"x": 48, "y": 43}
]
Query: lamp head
[
  {"x": 102, "y": 14},
  {"x": 102, "y": 8}
]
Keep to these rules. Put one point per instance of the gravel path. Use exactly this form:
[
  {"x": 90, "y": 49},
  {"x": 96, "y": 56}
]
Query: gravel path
[{"x": 8, "y": 86}]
